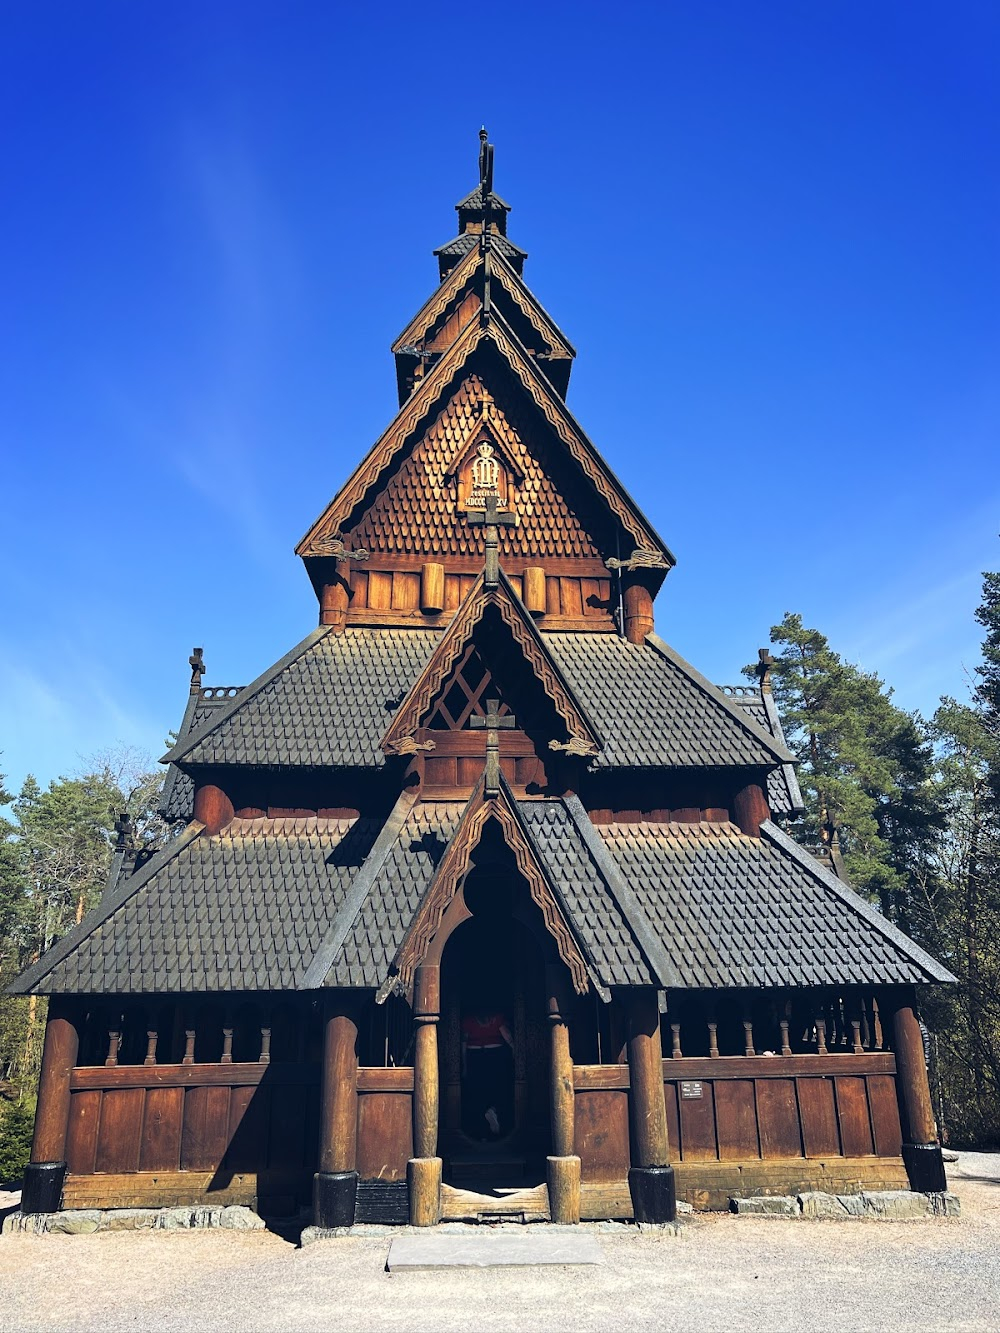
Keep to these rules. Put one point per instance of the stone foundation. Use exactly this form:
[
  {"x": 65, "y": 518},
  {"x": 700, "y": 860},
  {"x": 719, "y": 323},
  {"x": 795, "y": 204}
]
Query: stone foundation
[
  {"x": 85, "y": 1221},
  {"x": 890, "y": 1205}
]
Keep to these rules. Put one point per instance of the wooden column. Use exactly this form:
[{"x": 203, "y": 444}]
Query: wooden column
[
  {"x": 339, "y": 1114},
  {"x": 44, "y": 1176},
  {"x": 335, "y": 597},
  {"x": 335, "y": 1185},
  {"x": 638, "y": 611},
  {"x": 563, "y": 1166},
  {"x": 432, "y": 588},
  {"x": 212, "y": 807},
  {"x": 750, "y": 808},
  {"x": 648, "y": 1110},
  {"x": 651, "y": 1177},
  {"x": 424, "y": 1169},
  {"x": 62, "y": 1042},
  {"x": 534, "y": 590},
  {"x": 921, "y": 1150}
]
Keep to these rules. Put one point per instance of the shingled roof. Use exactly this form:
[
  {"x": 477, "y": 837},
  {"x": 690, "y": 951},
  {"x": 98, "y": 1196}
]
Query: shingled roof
[
  {"x": 655, "y": 710},
  {"x": 326, "y": 704},
  {"x": 329, "y": 702},
  {"x": 783, "y": 793},
  {"x": 736, "y": 911}
]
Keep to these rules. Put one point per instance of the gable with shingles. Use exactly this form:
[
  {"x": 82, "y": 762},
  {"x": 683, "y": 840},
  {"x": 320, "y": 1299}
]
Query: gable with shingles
[{"x": 416, "y": 511}]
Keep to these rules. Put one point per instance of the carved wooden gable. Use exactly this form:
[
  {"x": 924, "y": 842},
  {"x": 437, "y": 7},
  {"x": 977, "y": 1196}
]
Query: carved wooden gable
[{"x": 419, "y": 510}]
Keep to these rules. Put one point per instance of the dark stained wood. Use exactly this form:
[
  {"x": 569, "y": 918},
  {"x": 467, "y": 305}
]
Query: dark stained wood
[
  {"x": 750, "y": 808},
  {"x": 917, "y": 1111},
  {"x": 81, "y": 1138},
  {"x": 638, "y": 611},
  {"x": 600, "y": 1076},
  {"x": 817, "y": 1108},
  {"x": 405, "y": 592},
  {"x": 852, "y": 1115},
  {"x": 601, "y": 1134},
  {"x": 59, "y": 1054},
  {"x": 206, "y": 1128},
  {"x": 697, "y": 1127},
  {"x": 163, "y": 1113},
  {"x": 189, "y": 1076},
  {"x": 670, "y": 1097},
  {"x": 396, "y": 1078},
  {"x": 385, "y": 1135},
  {"x": 249, "y": 1117},
  {"x": 647, "y": 1113},
  {"x": 120, "y": 1131},
  {"x": 339, "y": 1114},
  {"x": 884, "y": 1114},
  {"x": 778, "y": 1118},
  {"x": 286, "y": 1147},
  {"x": 561, "y": 1104},
  {"x": 768, "y": 1066},
  {"x": 212, "y": 807},
  {"x": 736, "y": 1119}
]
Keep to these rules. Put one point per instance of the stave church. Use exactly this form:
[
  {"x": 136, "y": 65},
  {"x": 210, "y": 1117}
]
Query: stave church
[{"x": 481, "y": 901}]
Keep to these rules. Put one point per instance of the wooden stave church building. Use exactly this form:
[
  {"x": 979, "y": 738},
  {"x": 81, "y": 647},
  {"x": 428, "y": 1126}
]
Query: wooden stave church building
[{"x": 482, "y": 772}]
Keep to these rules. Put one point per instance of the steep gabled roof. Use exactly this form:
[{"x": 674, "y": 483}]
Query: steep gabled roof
[
  {"x": 450, "y": 876},
  {"x": 435, "y": 674},
  {"x": 323, "y": 705},
  {"x": 655, "y": 710},
  {"x": 433, "y": 387},
  {"x": 177, "y": 799},
  {"x": 473, "y": 268}
]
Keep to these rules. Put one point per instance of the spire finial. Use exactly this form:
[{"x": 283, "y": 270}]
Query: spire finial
[{"x": 485, "y": 164}]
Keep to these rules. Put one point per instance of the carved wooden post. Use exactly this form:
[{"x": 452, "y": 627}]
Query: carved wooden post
[
  {"x": 44, "y": 1176},
  {"x": 423, "y": 1171},
  {"x": 335, "y": 1185},
  {"x": 921, "y": 1150},
  {"x": 651, "y": 1178},
  {"x": 534, "y": 590},
  {"x": 563, "y": 1167}
]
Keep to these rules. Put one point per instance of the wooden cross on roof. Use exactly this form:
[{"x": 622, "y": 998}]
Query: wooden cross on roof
[
  {"x": 492, "y": 724},
  {"x": 492, "y": 519}
]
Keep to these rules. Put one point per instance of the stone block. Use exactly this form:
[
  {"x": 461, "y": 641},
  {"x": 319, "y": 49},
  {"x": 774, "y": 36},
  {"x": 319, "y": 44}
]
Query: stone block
[
  {"x": 130, "y": 1219},
  {"x": 239, "y": 1218},
  {"x": 767, "y": 1205},
  {"x": 25, "y": 1223},
  {"x": 816, "y": 1203},
  {"x": 311, "y": 1235},
  {"x": 74, "y": 1222}
]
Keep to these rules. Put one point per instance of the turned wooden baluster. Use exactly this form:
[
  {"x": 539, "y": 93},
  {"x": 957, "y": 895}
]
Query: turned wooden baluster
[
  {"x": 189, "y": 1035},
  {"x": 821, "y": 1035},
  {"x": 265, "y": 1047},
  {"x": 151, "y": 1038},
  {"x": 227, "y": 1040},
  {"x": 786, "y": 1012},
  {"x": 748, "y": 1046},
  {"x": 675, "y": 1041},
  {"x": 114, "y": 1042},
  {"x": 713, "y": 1037}
]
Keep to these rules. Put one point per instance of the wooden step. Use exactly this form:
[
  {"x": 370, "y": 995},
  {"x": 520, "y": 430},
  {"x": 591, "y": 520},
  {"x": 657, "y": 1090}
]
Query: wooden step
[{"x": 530, "y": 1205}]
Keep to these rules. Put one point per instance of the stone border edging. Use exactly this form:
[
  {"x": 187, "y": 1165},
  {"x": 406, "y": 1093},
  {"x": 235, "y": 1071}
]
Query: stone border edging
[
  {"x": 85, "y": 1221},
  {"x": 885, "y": 1205}
]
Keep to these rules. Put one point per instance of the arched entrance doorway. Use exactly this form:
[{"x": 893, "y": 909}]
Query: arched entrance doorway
[{"x": 494, "y": 1060}]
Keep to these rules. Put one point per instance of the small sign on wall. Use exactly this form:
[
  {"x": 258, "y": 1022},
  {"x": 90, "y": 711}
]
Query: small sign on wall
[{"x": 690, "y": 1090}]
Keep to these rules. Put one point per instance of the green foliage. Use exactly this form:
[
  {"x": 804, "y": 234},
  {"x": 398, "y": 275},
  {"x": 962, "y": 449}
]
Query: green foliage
[
  {"x": 16, "y": 1125},
  {"x": 866, "y": 765}
]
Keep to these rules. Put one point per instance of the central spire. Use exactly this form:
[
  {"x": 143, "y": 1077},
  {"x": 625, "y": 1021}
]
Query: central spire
[{"x": 482, "y": 219}]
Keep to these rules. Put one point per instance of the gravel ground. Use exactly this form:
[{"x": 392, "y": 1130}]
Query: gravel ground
[{"x": 724, "y": 1272}]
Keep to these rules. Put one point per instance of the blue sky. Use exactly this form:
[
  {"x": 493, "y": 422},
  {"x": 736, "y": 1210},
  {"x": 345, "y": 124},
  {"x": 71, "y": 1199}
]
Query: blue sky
[{"x": 769, "y": 229}]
